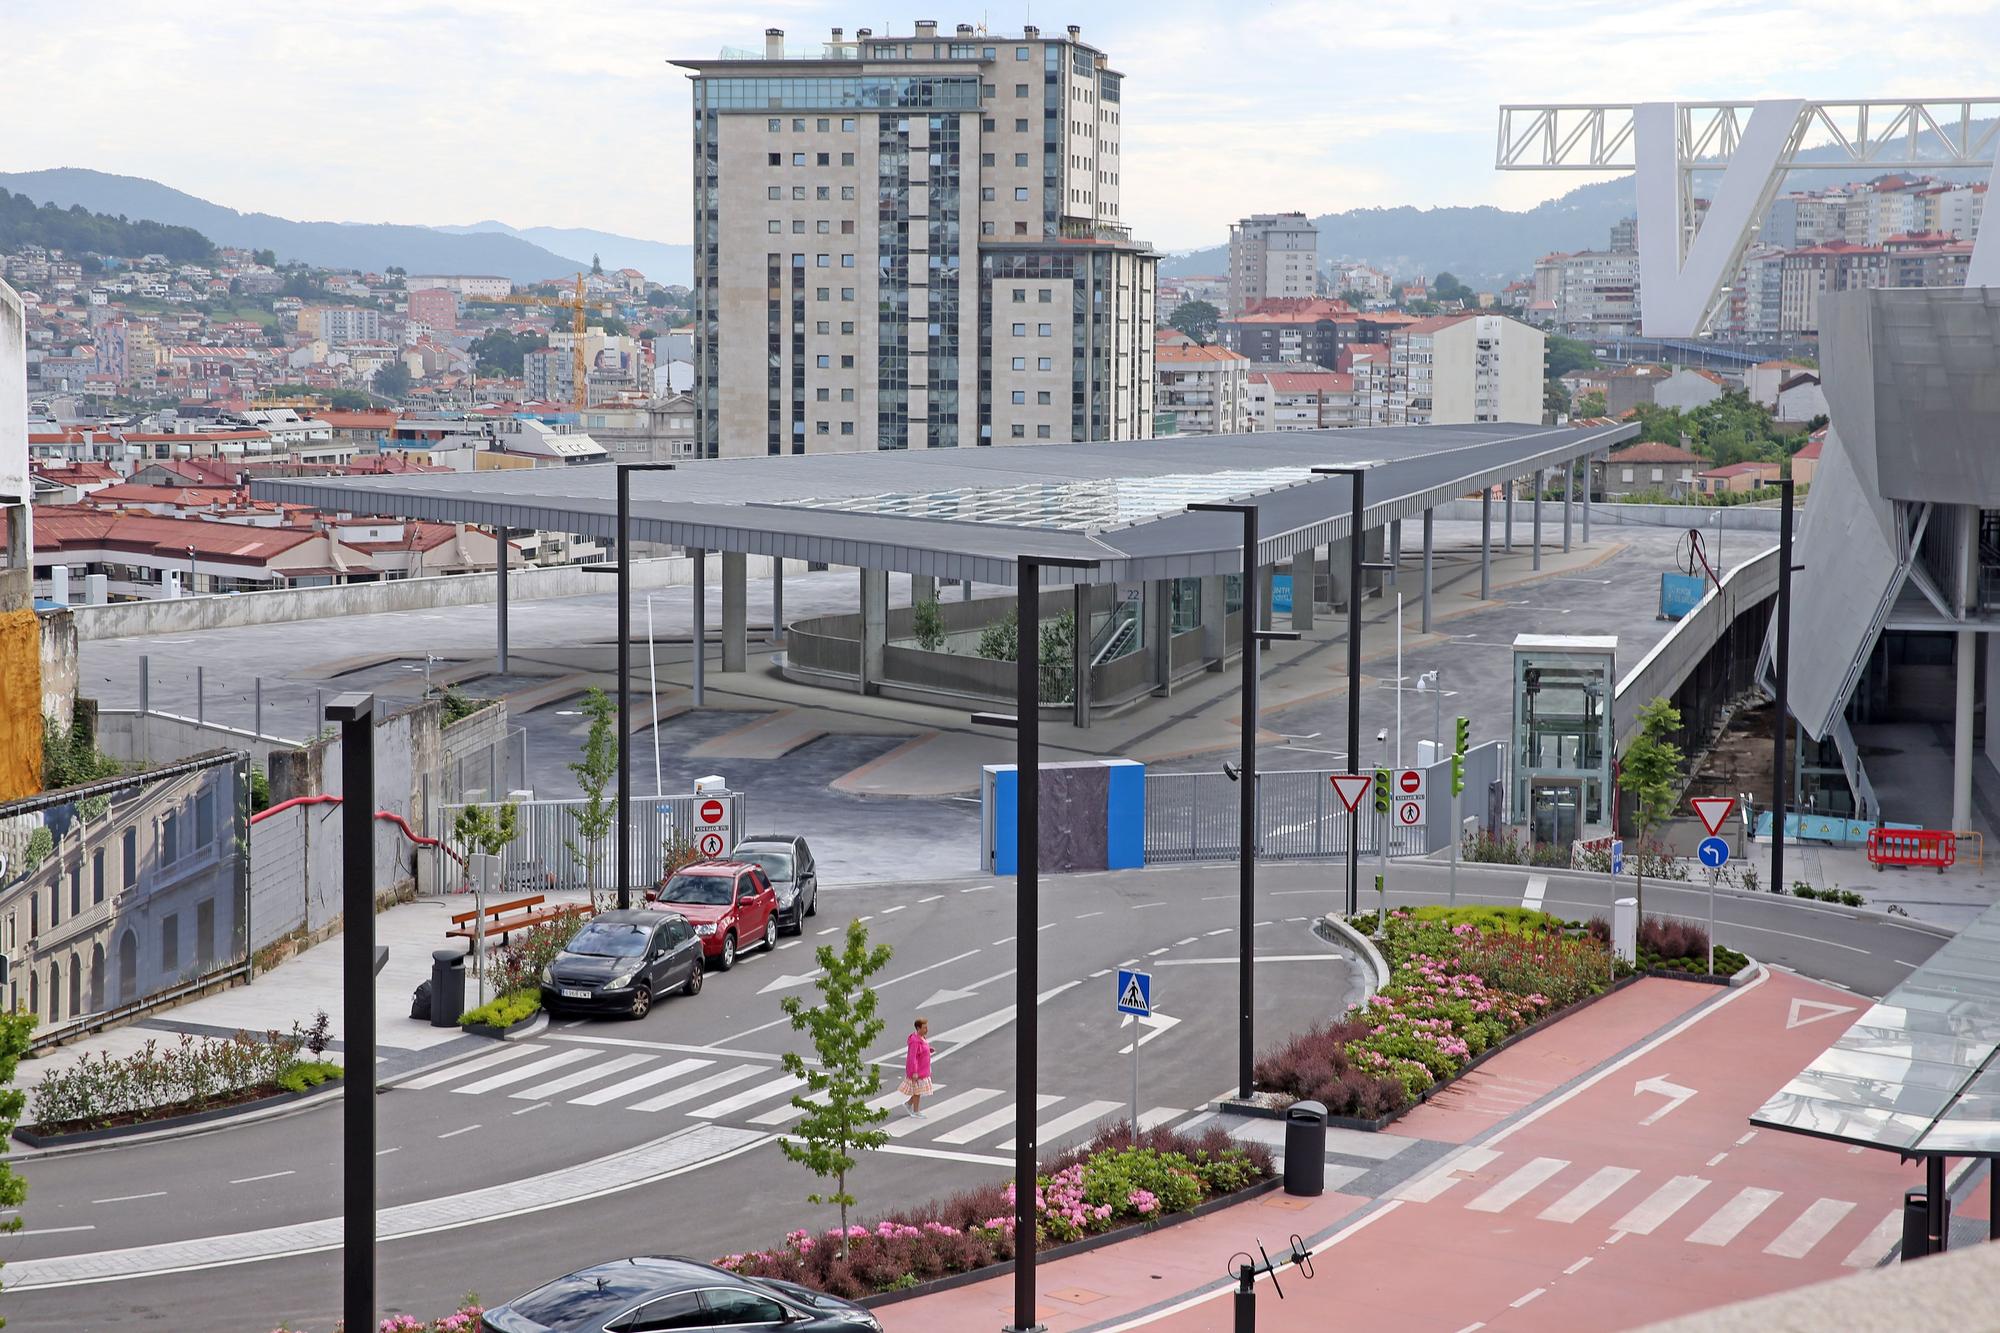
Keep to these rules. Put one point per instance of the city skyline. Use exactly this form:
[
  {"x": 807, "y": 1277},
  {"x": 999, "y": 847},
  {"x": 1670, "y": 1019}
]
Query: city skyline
[{"x": 536, "y": 108}]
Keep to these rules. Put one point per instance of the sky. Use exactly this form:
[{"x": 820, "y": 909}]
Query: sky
[{"x": 539, "y": 114}]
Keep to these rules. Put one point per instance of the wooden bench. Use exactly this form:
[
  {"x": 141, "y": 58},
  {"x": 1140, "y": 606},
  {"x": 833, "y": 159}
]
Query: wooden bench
[{"x": 517, "y": 914}]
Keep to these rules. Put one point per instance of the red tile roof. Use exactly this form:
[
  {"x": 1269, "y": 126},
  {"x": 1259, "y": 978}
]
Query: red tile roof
[
  {"x": 66, "y": 527},
  {"x": 1652, "y": 451},
  {"x": 1306, "y": 381},
  {"x": 1176, "y": 354}
]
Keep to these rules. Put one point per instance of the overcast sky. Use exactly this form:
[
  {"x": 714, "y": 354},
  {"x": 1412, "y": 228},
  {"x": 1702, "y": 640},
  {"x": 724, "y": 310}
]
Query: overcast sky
[{"x": 539, "y": 113}]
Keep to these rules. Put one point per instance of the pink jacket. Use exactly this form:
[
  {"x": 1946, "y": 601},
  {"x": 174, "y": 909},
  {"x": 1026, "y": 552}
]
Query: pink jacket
[{"x": 918, "y": 1063}]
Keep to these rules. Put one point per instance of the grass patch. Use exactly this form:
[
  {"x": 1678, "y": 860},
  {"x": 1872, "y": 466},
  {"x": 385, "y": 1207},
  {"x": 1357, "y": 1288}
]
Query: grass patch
[
  {"x": 307, "y": 1074},
  {"x": 1519, "y": 920}
]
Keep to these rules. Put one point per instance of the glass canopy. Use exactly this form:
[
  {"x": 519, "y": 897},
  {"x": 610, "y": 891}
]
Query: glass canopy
[{"x": 1075, "y": 506}]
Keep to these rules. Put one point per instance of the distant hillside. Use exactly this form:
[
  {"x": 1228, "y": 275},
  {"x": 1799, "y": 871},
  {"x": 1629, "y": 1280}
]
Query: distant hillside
[
  {"x": 671, "y": 265},
  {"x": 77, "y": 229},
  {"x": 368, "y": 247}
]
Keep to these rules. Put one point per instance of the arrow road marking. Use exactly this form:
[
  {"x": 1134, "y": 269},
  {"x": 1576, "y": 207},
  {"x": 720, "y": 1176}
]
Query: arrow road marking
[
  {"x": 947, "y": 996},
  {"x": 1799, "y": 1016},
  {"x": 786, "y": 983},
  {"x": 1673, "y": 1092},
  {"x": 1155, "y": 1024}
]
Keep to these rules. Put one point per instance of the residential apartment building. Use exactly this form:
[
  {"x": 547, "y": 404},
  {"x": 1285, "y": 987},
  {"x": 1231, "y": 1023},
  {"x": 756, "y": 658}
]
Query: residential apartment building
[
  {"x": 1597, "y": 294},
  {"x": 435, "y": 307},
  {"x": 1271, "y": 255},
  {"x": 1205, "y": 390},
  {"x": 465, "y": 284},
  {"x": 1371, "y": 283},
  {"x": 915, "y": 242},
  {"x": 128, "y": 352},
  {"x": 348, "y": 324},
  {"x": 1836, "y": 266},
  {"x": 1645, "y": 467},
  {"x": 1301, "y": 400},
  {"x": 1454, "y": 369}
]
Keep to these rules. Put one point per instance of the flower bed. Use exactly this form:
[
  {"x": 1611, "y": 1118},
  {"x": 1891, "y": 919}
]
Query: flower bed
[
  {"x": 1461, "y": 982},
  {"x": 1111, "y": 1183},
  {"x": 1666, "y": 945},
  {"x": 465, "y": 1319}
]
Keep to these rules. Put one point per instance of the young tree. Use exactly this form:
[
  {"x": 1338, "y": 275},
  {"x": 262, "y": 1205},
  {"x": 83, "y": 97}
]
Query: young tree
[
  {"x": 838, "y": 1120},
  {"x": 595, "y": 772},
  {"x": 486, "y": 829},
  {"x": 927, "y": 624},
  {"x": 15, "y": 1028},
  {"x": 1197, "y": 319},
  {"x": 1591, "y": 404},
  {"x": 1650, "y": 772}
]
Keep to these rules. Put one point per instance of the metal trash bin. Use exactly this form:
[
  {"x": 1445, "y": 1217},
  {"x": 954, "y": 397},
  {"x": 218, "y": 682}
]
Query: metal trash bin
[
  {"x": 1305, "y": 1148},
  {"x": 1916, "y": 1223},
  {"x": 447, "y": 987}
]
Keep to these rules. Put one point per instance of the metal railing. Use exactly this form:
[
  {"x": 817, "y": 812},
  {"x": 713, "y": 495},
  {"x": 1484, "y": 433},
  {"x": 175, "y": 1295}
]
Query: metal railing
[
  {"x": 548, "y": 852},
  {"x": 1192, "y": 817}
]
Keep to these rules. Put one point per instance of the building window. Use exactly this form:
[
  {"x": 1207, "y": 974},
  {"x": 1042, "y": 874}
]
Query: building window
[
  {"x": 847, "y": 261},
  {"x": 847, "y": 326},
  {"x": 824, "y": 124},
  {"x": 1020, "y": 396},
  {"x": 1021, "y": 53},
  {"x": 821, "y": 361},
  {"x": 847, "y": 159},
  {"x": 1020, "y": 363},
  {"x": 1043, "y": 330},
  {"x": 1044, "y": 363},
  {"x": 97, "y": 877},
  {"x": 847, "y": 192},
  {"x": 1020, "y": 90},
  {"x": 822, "y": 159},
  {"x": 774, "y": 192},
  {"x": 847, "y": 363},
  {"x": 1659, "y": 474},
  {"x": 1045, "y": 295},
  {"x": 986, "y": 193},
  {"x": 822, "y": 227},
  {"x": 1021, "y": 193},
  {"x": 822, "y": 393},
  {"x": 820, "y": 294},
  {"x": 170, "y": 943},
  {"x": 799, "y": 124},
  {"x": 777, "y": 159},
  {"x": 131, "y": 858},
  {"x": 1628, "y": 474},
  {"x": 847, "y": 124},
  {"x": 773, "y": 124},
  {"x": 798, "y": 159},
  {"x": 1041, "y": 432},
  {"x": 170, "y": 835},
  {"x": 821, "y": 261},
  {"x": 847, "y": 395},
  {"x": 798, "y": 192},
  {"x": 773, "y": 226},
  {"x": 847, "y": 428},
  {"x": 986, "y": 159},
  {"x": 1018, "y": 431},
  {"x": 1020, "y": 159},
  {"x": 821, "y": 327},
  {"x": 847, "y": 293},
  {"x": 821, "y": 428},
  {"x": 1020, "y": 229},
  {"x": 822, "y": 192},
  {"x": 1020, "y": 127},
  {"x": 1042, "y": 398},
  {"x": 1020, "y": 330}
]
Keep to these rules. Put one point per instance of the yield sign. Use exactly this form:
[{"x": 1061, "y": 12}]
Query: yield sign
[
  {"x": 1351, "y": 787},
  {"x": 1802, "y": 1012},
  {"x": 1713, "y": 810}
]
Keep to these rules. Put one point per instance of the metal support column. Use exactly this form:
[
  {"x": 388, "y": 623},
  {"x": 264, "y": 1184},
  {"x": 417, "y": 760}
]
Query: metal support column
[
  {"x": 1486, "y": 544},
  {"x": 1589, "y": 476},
  {"x": 777, "y": 599},
  {"x": 500, "y": 595},
  {"x": 735, "y": 611},
  {"x": 1507, "y": 519},
  {"x": 1934, "y": 1204},
  {"x": 623, "y": 823},
  {"x": 1395, "y": 552},
  {"x": 1541, "y": 480},
  {"x": 1429, "y": 564},
  {"x": 1781, "y": 660},
  {"x": 1080, "y": 656},
  {"x": 699, "y": 596},
  {"x": 1569, "y": 492},
  {"x": 355, "y": 714}
]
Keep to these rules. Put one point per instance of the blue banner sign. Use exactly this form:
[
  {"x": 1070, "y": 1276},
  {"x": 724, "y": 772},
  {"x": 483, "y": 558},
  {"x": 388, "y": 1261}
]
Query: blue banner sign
[{"x": 1680, "y": 594}]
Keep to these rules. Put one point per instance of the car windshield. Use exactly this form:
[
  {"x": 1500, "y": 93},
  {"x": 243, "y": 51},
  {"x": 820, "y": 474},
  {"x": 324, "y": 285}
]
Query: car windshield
[
  {"x": 583, "y": 1298},
  {"x": 708, "y": 890},
  {"x": 606, "y": 939},
  {"x": 775, "y": 865}
]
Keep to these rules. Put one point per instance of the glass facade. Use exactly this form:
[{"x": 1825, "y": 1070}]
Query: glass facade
[
  {"x": 859, "y": 92},
  {"x": 942, "y": 303},
  {"x": 892, "y": 311},
  {"x": 1562, "y": 742}
]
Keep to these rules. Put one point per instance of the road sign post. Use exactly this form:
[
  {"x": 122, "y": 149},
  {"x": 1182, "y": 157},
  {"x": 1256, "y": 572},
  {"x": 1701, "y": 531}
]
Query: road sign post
[
  {"x": 1351, "y": 788},
  {"x": 1714, "y": 853},
  {"x": 1461, "y": 737},
  {"x": 1135, "y": 997},
  {"x": 714, "y": 828}
]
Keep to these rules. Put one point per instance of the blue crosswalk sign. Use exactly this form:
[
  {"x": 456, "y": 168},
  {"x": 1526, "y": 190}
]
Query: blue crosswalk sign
[
  {"x": 1135, "y": 992},
  {"x": 1714, "y": 853}
]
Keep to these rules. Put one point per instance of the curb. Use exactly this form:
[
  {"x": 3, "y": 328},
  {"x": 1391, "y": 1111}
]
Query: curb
[
  {"x": 1377, "y": 964},
  {"x": 1749, "y": 972}
]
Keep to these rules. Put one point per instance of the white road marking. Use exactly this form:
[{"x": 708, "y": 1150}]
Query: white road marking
[
  {"x": 500, "y": 1057},
  {"x": 452, "y": 1134},
  {"x": 1158, "y": 1115},
  {"x": 1155, "y": 953},
  {"x": 777, "y": 1087},
  {"x": 1538, "y": 885},
  {"x": 1577, "y": 1267},
  {"x": 271, "y": 1175},
  {"x": 1262, "y": 958},
  {"x": 1424, "y": 1188},
  {"x": 1140, "y": 907},
  {"x": 1100, "y": 972},
  {"x": 634, "y": 1084},
  {"x": 933, "y": 898},
  {"x": 1004, "y": 939},
  {"x": 1877, "y": 1242},
  {"x": 1050, "y": 926},
  {"x": 604, "y": 1069},
  {"x": 977, "y": 888},
  {"x": 1509, "y": 1191},
  {"x": 1746, "y": 1138},
  {"x": 1729, "y": 1220},
  {"x": 128, "y": 1198},
  {"x": 1717, "y": 1159},
  {"x": 890, "y": 910},
  {"x": 1189, "y": 940},
  {"x": 921, "y": 1150},
  {"x": 791, "y": 944},
  {"x": 384, "y": 1152},
  {"x": 1047, "y": 1134},
  {"x": 1660, "y": 1205},
  {"x": 829, "y": 930},
  {"x": 1809, "y": 1228},
  {"x": 536, "y": 1107},
  {"x": 1599, "y": 1186},
  {"x": 700, "y": 1088},
  {"x": 993, "y": 1120},
  {"x": 1525, "y": 1299},
  {"x": 1087, "y": 915},
  {"x": 957, "y": 1104},
  {"x": 542, "y": 1066},
  {"x": 53, "y": 1231}
]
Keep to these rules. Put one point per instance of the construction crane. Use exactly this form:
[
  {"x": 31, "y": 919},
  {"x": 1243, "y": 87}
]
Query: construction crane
[{"x": 579, "y": 306}]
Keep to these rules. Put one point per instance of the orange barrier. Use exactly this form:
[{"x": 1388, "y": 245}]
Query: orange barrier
[
  {"x": 1978, "y": 841},
  {"x": 1912, "y": 847}
]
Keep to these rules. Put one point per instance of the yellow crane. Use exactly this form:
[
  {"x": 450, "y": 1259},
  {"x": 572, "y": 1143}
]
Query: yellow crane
[{"x": 579, "y": 306}]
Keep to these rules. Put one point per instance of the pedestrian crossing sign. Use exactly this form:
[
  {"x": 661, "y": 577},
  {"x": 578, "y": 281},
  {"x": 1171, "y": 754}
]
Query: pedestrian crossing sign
[{"x": 1135, "y": 992}]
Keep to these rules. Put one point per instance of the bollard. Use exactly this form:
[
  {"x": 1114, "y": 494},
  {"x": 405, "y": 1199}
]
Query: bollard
[{"x": 1246, "y": 1299}]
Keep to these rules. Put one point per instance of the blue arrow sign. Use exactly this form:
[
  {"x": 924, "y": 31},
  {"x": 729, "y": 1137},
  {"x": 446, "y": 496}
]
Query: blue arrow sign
[
  {"x": 1618, "y": 856},
  {"x": 1714, "y": 853},
  {"x": 1135, "y": 992}
]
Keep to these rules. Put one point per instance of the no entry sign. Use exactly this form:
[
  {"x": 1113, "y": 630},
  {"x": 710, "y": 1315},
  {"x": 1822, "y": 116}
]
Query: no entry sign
[
  {"x": 1410, "y": 782},
  {"x": 713, "y": 834}
]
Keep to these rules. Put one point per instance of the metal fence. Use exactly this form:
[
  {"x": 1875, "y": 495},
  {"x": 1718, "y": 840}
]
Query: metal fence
[
  {"x": 489, "y": 771},
  {"x": 1193, "y": 817},
  {"x": 548, "y": 852}
]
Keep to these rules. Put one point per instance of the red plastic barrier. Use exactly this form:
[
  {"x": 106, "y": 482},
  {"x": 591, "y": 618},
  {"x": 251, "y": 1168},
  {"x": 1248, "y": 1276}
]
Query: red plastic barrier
[{"x": 1912, "y": 847}]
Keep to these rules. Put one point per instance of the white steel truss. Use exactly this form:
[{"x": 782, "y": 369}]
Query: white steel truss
[{"x": 1753, "y": 145}]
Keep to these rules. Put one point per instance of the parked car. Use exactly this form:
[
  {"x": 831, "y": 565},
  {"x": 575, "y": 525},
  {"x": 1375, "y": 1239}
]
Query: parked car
[
  {"x": 730, "y": 903},
  {"x": 651, "y": 1293},
  {"x": 787, "y": 861},
  {"x": 619, "y": 961}
]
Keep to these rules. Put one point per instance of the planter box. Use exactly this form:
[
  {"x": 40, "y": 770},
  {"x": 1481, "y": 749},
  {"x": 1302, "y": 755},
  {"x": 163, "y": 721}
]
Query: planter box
[
  {"x": 35, "y": 1138},
  {"x": 499, "y": 1033}
]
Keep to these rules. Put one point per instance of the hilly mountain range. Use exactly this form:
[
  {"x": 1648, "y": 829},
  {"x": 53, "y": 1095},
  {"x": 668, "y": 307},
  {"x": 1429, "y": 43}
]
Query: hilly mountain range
[{"x": 523, "y": 255}]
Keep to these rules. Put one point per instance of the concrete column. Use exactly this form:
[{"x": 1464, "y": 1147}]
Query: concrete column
[
  {"x": 1486, "y": 544},
  {"x": 1588, "y": 477},
  {"x": 1507, "y": 520},
  {"x": 1159, "y": 613},
  {"x": 735, "y": 612},
  {"x": 874, "y": 626},
  {"x": 1215, "y": 623},
  {"x": 500, "y": 595},
  {"x": 1080, "y": 656},
  {"x": 1961, "y": 738},
  {"x": 1395, "y": 551},
  {"x": 1372, "y": 543},
  {"x": 777, "y": 600},
  {"x": 1302, "y": 589},
  {"x": 965, "y": 590},
  {"x": 1993, "y": 703},
  {"x": 1336, "y": 574},
  {"x": 1429, "y": 565},
  {"x": 923, "y": 588},
  {"x": 1569, "y": 493},
  {"x": 699, "y": 597},
  {"x": 1540, "y": 482},
  {"x": 1264, "y": 573}
]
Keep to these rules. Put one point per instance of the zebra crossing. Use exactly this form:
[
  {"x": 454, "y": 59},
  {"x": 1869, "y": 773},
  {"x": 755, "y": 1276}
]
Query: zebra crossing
[
  {"x": 1615, "y": 1195},
  {"x": 757, "y": 1094}
]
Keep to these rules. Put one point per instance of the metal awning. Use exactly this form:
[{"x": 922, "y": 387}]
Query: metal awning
[
  {"x": 1919, "y": 1073},
  {"x": 965, "y": 513}
]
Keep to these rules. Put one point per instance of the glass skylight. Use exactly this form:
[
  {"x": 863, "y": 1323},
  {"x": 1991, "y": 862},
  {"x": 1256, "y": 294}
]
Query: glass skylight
[{"x": 1072, "y": 506}]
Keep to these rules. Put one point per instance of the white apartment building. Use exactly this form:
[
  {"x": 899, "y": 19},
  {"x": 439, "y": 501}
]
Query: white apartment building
[
  {"x": 1205, "y": 389},
  {"x": 1371, "y": 282},
  {"x": 350, "y": 324},
  {"x": 1454, "y": 369},
  {"x": 465, "y": 284},
  {"x": 1598, "y": 295},
  {"x": 908, "y": 242},
  {"x": 1302, "y": 400},
  {"x": 1271, "y": 255}
]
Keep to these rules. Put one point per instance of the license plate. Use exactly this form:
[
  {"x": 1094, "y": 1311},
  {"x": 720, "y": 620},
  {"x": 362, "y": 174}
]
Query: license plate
[{"x": 569, "y": 994}]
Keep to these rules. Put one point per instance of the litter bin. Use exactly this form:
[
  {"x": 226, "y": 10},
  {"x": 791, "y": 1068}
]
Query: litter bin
[
  {"x": 1305, "y": 1148},
  {"x": 447, "y": 987},
  {"x": 1916, "y": 1223}
]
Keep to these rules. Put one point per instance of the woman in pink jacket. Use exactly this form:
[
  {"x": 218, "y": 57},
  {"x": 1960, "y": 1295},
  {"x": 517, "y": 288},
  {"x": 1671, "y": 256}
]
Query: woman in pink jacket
[{"x": 916, "y": 1084}]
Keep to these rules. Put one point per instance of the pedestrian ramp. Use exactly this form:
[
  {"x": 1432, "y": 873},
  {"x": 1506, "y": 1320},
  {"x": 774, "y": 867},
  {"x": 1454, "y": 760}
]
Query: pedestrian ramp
[
  {"x": 757, "y": 1094},
  {"x": 1630, "y": 1201}
]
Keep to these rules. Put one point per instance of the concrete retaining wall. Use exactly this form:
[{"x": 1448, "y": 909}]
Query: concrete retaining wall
[
  {"x": 58, "y": 665},
  {"x": 119, "y": 620},
  {"x": 295, "y": 872},
  {"x": 163, "y": 738}
]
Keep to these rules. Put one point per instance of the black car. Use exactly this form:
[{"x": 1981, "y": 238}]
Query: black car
[
  {"x": 787, "y": 861},
  {"x": 620, "y": 961},
  {"x": 650, "y": 1293}
]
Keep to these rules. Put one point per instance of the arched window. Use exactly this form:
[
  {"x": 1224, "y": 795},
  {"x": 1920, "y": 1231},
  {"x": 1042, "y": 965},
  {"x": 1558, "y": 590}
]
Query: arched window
[{"x": 128, "y": 966}]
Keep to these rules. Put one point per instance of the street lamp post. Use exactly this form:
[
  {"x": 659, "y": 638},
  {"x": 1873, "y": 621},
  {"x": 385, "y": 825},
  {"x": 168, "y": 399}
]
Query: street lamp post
[
  {"x": 1781, "y": 664},
  {"x": 1027, "y": 724},
  {"x": 356, "y": 715},
  {"x": 1356, "y": 477},
  {"x": 1254, "y": 636}
]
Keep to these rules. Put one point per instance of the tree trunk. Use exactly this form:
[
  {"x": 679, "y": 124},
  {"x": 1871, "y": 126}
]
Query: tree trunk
[{"x": 840, "y": 1183}]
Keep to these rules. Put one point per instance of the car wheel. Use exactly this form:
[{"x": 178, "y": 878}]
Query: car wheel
[
  {"x": 798, "y": 926},
  {"x": 728, "y": 959},
  {"x": 812, "y": 905},
  {"x": 770, "y": 932},
  {"x": 693, "y": 986},
  {"x": 642, "y": 1000}
]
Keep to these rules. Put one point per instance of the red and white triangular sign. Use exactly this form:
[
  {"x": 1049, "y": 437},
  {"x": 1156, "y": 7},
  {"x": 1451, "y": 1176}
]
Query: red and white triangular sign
[
  {"x": 1713, "y": 810},
  {"x": 1351, "y": 787}
]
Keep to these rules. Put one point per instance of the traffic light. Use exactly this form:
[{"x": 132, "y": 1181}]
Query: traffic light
[
  {"x": 1463, "y": 736},
  {"x": 1382, "y": 791}
]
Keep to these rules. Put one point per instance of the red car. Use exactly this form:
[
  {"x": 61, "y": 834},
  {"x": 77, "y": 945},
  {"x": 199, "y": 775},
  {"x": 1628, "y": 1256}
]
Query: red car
[{"x": 731, "y": 905}]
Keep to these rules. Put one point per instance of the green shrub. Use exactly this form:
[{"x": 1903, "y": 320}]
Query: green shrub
[
  {"x": 505, "y": 1011},
  {"x": 190, "y": 1075},
  {"x": 1521, "y": 920},
  {"x": 307, "y": 1074},
  {"x": 927, "y": 625},
  {"x": 1849, "y": 898},
  {"x": 518, "y": 965}
]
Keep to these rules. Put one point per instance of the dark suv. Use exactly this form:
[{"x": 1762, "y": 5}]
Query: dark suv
[
  {"x": 621, "y": 961},
  {"x": 787, "y": 861}
]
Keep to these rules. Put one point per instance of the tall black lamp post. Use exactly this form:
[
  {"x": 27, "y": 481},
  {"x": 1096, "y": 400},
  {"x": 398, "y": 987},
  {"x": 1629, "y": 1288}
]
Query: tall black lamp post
[
  {"x": 1027, "y": 723},
  {"x": 355, "y": 713},
  {"x": 1781, "y": 663},
  {"x": 1254, "y": 635}
]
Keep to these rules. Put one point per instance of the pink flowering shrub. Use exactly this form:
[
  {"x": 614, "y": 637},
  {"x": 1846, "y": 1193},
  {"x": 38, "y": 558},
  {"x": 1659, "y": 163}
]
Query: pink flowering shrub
[
  {"x": 1112, "y": 1181},
  {"x": 465, "y": 1319}
]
